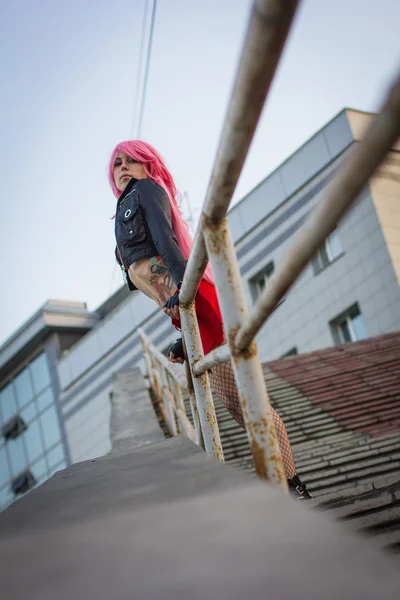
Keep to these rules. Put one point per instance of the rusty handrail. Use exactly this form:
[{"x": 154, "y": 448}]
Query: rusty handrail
[{"x": 268, "y": 27}]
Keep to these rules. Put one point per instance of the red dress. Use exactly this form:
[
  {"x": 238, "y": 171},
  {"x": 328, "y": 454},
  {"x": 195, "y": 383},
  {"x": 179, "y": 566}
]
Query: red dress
[{"x": 209, "y": 317}]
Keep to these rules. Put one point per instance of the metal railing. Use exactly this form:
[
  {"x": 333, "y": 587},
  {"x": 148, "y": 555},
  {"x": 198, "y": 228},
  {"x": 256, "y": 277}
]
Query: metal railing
[
  {"x": 266, "y": 34},
  {"x": 167, "y": 381}
]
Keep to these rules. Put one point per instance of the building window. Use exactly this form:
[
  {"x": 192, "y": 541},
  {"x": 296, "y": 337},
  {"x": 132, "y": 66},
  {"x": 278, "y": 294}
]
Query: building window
[
  {"x": 349, "y": 326},
  {"x": 290, "y": 352},
  {"x": 31, "y": 446},
  {"x": 4, "y": 467},
  {"x": 259, "y": 281},
  {"x": 23, "y": 483},
  {"x": 8, "y": 405},
  {"x": 329, "y": 252},
  {"x": 13, "y": 428}
]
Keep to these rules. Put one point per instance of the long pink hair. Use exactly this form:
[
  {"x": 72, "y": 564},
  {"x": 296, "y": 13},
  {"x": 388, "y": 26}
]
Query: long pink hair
[{"x": 156, "y": 169}]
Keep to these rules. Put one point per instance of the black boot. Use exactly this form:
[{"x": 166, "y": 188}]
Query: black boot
[{"x": 298, "y": 489}]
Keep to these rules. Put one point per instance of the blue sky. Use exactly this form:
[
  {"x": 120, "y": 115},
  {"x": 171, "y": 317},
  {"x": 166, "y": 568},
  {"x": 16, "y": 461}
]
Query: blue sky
[{"x": 68, "y": 73}]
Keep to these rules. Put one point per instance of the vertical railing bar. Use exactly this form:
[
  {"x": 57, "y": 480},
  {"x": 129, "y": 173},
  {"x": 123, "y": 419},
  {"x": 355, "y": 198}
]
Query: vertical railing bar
[
  {"x": 149, "y": 350},
  {"x": 151, "y": 373},
  {"x": 246, "y": 365},
  {"x": 165, "y": 403},
  {"x": 201, "y": 385},
  {"x": 169, "y": 402},
  {"x": 147, "y": 360},
  {"x": 171, "y": 387},
  {"x": 178, "y": 395},
  {"x": 192, "y": 397},
  {"x": 171, "y": 367},
  {"x": 186, "y": 425},
  {"x": 153, "y": 380}
]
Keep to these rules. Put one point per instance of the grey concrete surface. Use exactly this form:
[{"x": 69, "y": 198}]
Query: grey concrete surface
[
  {"x": 133, "y": 420},
  {"x": 151, "y": 475},
  {"x": 163, "y": 520},
  {"x": 232, "y": 542}
]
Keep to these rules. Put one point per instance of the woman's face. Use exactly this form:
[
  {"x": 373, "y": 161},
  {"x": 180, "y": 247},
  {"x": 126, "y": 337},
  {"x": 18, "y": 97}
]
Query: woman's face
[{"x": 125, "y": 169}]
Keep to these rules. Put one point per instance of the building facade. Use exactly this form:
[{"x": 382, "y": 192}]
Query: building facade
[{"x": 56, "y": 372}]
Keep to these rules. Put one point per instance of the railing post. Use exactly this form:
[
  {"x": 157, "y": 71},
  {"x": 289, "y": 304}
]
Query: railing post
[
  {"x": 192, "y": 397},
  {"x": 246, "y": 364},
  {"x": 168, "y": 403},
  {"x": 171, "y": 405},
  {"x": 201, "y": 385}
]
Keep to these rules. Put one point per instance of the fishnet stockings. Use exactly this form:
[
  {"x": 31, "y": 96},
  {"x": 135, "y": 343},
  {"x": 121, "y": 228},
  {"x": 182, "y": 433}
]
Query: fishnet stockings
[{"x": 222, "y": 381}]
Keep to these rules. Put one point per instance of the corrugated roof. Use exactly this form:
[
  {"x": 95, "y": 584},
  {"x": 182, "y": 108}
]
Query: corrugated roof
[{"x": 356, "y": 384}]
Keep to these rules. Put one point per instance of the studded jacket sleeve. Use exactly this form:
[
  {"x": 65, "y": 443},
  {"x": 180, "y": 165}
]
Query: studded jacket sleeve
[{"x": 155, "y": 205}]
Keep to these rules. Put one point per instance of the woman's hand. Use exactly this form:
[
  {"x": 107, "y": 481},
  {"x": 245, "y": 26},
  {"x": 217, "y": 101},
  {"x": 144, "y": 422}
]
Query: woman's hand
[
  {"x": 172, "y": 312},
  {"x": 176, "y": 354},
  {"x": 171, "y": 307}
]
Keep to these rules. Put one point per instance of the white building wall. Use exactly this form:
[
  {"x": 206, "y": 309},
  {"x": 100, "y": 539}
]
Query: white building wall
[{"x": 364, "y": 273}]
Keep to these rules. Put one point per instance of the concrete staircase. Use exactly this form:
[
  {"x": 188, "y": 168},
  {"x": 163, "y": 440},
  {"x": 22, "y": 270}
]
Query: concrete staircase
[{"x": 353, "y": 476}]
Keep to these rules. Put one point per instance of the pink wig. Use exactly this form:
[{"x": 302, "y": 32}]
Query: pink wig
[{"x": 156, "y": 169}]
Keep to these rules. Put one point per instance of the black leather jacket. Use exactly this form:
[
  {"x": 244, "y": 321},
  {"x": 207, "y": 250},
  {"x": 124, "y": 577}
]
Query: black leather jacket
[{"x": 143, "y": 228}]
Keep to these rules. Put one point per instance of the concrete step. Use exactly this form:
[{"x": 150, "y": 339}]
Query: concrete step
[{"x": 351, "y": 475}]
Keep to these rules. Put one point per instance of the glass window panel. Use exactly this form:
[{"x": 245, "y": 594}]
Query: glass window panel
[
  {"x": 345, "y": 332},
  {"x": 50, "y": 427},
  {"x": 55, "y": 456},
  {"x": 23, "y": 388},
  {"x": 8, "y": 403},
  {"x": 17, "y": 455},
  {"x": 4, "y": 470},
  {"x": 261, "y": 284},
  {"x": 290, "y": 352},
  {"x": 39, "y": 470},
  {"x": 33, "y": 441},
  {"x": 40, "y": 373},
  {"x": 45, "y": 399},
  {"x": 6, "y": 497},
  {"x": 323, "y": 257},
  {"x": 260, "y": 280},
  {"x": 29, "y": 412},
  {"x": 359, "y": 327},
  {"x": 335, "y": 245}
]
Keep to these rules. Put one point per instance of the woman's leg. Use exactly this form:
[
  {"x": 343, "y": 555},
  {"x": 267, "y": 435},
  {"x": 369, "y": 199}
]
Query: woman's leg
[{"x": 222, "y": 381}]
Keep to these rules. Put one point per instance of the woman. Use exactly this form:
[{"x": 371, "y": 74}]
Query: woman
[{"x": 153, "y": 245}]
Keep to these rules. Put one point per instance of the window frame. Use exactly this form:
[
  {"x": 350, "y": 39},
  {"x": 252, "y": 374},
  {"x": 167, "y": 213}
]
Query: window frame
[
  {"x": 291, "y": 352},
  {"x": 346, "y": 318},
  {"x": 319, "y": 262},
  {"x": 264, "y": 274}
]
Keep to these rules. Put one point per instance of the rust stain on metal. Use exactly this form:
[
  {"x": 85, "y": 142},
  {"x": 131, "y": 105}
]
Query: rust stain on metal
[
  {"x": 218, "y": 229},
  {"x": 193, "y": 365},
  {"x": 247, "y": 353},
  {"x": 260, "y": 463}
]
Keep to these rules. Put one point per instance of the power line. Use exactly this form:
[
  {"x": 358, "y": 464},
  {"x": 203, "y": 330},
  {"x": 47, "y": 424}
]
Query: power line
[
  {"x": 146, "y": 72},
  {"x": 139, "y": 71}
]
